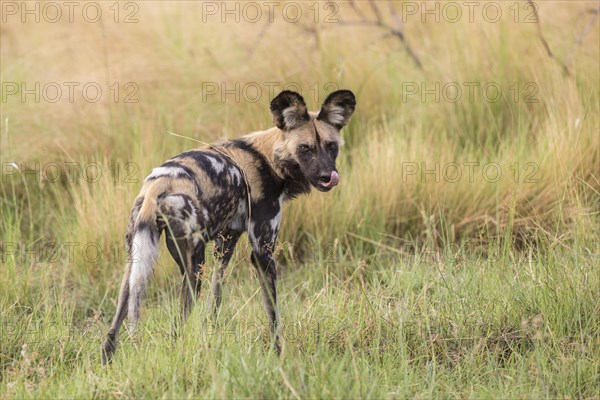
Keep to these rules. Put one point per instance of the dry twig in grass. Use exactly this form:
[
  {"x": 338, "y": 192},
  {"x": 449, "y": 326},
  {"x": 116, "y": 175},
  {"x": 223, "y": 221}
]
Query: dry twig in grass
[
  {"x": 584, "y": 31},
  {"x": 395, "y": 30}
]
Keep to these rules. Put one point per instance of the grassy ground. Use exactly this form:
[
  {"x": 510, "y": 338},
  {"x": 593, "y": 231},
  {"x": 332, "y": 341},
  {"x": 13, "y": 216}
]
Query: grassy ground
[
  {"x": 399, "y": 283},
  {"x": 459, "y": 326}
]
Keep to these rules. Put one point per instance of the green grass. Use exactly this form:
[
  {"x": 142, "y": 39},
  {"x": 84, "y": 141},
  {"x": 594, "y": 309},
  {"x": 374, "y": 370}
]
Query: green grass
[
  {"x": 426, "y": 325},
  {"x": 393, "y": 285}
]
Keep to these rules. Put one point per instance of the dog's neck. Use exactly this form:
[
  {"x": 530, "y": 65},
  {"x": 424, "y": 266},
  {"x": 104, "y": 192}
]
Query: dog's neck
[{"x": 265, "y": 142}]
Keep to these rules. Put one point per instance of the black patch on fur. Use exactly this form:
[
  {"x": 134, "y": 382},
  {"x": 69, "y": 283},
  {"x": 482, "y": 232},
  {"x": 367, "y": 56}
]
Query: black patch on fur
[
  {"x": 171, "y": 164},
  {"x": 262, "y": 213},
  {"x": 201, "y": 158},
  {"x": 295, "y": 183}
]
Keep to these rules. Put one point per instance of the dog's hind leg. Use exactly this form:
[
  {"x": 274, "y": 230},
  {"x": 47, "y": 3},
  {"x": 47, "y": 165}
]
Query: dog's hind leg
[
  {"x": 186, "y": 245},
  {"x": 191, "y": 264}
]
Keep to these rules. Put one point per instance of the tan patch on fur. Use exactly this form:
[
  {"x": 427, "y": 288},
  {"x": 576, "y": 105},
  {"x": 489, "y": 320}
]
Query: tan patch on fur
[
  {"x": 151, "y": 190},
  {"x": 250, "y": 167}
]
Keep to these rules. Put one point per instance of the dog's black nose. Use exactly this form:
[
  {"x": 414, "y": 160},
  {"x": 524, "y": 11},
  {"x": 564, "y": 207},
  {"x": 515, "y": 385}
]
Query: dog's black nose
[{"x": 325, "y": 177}]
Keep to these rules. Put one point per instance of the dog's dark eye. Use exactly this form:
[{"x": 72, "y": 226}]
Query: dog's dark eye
[
  {"x": 304, "y": 148},
  {"x": 332, "y": 146}
]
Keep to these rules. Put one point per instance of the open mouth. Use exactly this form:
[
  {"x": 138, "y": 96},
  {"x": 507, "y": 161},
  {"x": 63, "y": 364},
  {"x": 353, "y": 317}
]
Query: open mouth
[{"x": 326, "y": 183}]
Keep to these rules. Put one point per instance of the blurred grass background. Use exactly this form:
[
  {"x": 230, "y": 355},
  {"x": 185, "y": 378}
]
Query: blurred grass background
[{"x": 510, "y": 264}]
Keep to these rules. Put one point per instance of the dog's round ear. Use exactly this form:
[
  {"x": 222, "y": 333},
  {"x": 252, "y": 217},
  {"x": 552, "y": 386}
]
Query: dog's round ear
[
  {"x": 289, "y": 110},
  {"x": 338, "y": 108}
]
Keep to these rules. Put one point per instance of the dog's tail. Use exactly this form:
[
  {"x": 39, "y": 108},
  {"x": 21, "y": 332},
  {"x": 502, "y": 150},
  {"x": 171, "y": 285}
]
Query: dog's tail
[{"x": 144, "y": 246}]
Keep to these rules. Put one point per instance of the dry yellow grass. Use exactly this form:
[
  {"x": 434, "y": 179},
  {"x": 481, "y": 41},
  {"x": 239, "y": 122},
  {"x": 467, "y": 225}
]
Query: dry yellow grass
[{"x": 171, "y": 57}]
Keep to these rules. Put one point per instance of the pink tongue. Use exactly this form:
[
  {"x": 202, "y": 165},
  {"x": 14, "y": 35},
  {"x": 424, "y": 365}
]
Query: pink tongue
[{"x": 333, "y": 180}]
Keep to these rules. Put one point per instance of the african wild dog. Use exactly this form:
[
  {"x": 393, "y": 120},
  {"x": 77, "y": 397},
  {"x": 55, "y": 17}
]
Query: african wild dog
[{"x": 219, "y": 191}]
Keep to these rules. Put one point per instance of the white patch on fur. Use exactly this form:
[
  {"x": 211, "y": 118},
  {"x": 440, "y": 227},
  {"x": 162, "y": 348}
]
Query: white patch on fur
[
  {"x": 217, "y": 165},
  {"x": 238, "y": 221},
  {"x": 197, "y": 237},
  {"x": 176, "y": 202},
  {"x": 253, "y": 239},
  {"x": 190, "y": 223},
  {"x": 335, "y": 115},
  {"x": 236, "y": 176},
  {"x": 290, "y": 117},
  {"x": 166, "y": 171},
  {"x": 236, "y": 224},
  {"x": 276, "y": 221}
]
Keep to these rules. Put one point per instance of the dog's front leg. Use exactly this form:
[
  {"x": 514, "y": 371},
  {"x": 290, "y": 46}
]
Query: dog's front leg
[
  {"x": 224, "y": 246},
  {"x": 267, "y": 276}
]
